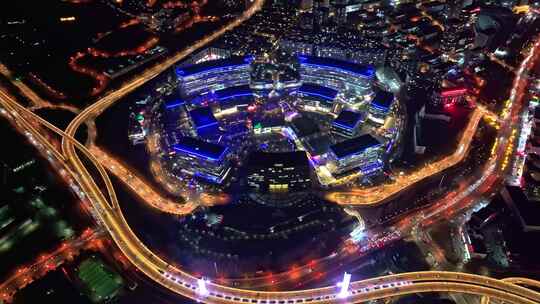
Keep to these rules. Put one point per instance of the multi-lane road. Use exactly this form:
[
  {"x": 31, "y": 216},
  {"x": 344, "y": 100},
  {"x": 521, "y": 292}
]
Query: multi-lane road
[
  {"x": 371, "y": 196},
  {"x": 185, "y": 284}
]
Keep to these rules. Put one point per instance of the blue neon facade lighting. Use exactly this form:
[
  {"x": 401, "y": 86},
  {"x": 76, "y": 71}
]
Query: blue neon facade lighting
[
  {"x": 235, "y": 96},
  {"x": 316, "y": 94},
  {"x": 383, "y": 101},
  {"x": 345, "y": 66},
  {"x": 207, "y": 125},
  {"x": 372, "y": 167},
  {"x": 234, "y": 92},
  {"x": 198, "y": 153},
  {"x": 318, "y": 91},
  {"x": 342, "y": 126},
  {"x": 379, "y": 107},
  {"x": 202, "y": 117},
  {"x": 347, "y": 119},
  {"x": 185, "y": 74},
  {"x": 214, "y": 65},
  {"x": 249, "y": 59},
  {"x": 354, "y": 146},
  {"x": 174, "y": 104}
]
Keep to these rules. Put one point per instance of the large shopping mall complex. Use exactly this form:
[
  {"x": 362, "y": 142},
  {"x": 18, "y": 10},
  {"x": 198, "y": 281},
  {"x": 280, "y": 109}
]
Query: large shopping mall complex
[{"x": 277, "y": 123}]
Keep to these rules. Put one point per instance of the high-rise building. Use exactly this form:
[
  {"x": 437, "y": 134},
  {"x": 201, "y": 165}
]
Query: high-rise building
[{"x": 451, "y": 36}]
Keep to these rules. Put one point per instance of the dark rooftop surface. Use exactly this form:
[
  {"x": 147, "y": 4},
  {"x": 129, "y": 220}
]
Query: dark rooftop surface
[
  {"x": 348, "y": 119},
  {"x": 198, "y": 147},
  {"x": 232, "y": 92},
  {"x": 202, "y": 117},
  {"x": 354, "y": 145},
  {"x": 304, "y": 126},
  {"x": 319, "y": 145},
  {"x": 317, "y": 90},
  {"x": 383, "y": 99},
  {"x": 270, "y": 159}
]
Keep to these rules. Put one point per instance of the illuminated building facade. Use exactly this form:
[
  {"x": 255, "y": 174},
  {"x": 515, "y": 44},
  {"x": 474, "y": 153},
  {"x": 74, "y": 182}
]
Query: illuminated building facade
[
  {"x": 200, "y": 159},
  {"x": 362, "y": 153},
  {"x": 348, "y": 123},
  {"x": 336, "y": 74},
  {"x": 380, "y": 106},
  {"x": 203, "y": 121},
  {"x": 254, "y": 93},
  {"x": 213, "y": 75},
  {"x": 210, "y": 54},
  {"x": 450, "y": 97},
  {"x": 287, "y": 171}
]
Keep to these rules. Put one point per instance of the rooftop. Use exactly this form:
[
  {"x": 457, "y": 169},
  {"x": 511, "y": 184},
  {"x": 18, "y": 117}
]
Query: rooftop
[
  {"x": 199, "y": 148},
  {"x": 354, "y": 145},
  {"x": 348, "y": 119},
  {"x": 383, "y": 100},
  {"x": 304, "y": 126},
  {"x": 284, "y": 159},
  {"x": 362, "y": 70},
  {"x": 318, "y": 91},
  {"x": 211, "y": 65},
  {"x": 173, "y": 101},
  {"x": 234, "y": 92},
  {"x": 203, "y": 117}
]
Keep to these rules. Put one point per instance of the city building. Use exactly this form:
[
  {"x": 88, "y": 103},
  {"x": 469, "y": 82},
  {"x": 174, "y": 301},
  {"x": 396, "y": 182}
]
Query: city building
[
  {"x": 203, "y": 121},
  {"x": 287, "y": 171},
  {"x": 348, "y": 123},
  {"x": 448, "y": 97},
  {"x": 200, "y": 159},
  {"x": 362, "y": 153},
  {"x": 380, "y": 106},
  {"x": 337, "y": 74},
  {"x": 136, "y": 128},
  {"x": 208, "y": 54},
  {"x": 214, "y": 75}
]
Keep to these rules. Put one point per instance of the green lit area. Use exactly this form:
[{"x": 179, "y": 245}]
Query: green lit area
[
  {"x": 24, "y": 229},
  {"x": 17, "y": 227},
  {"x": 100, "y": 283}
]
